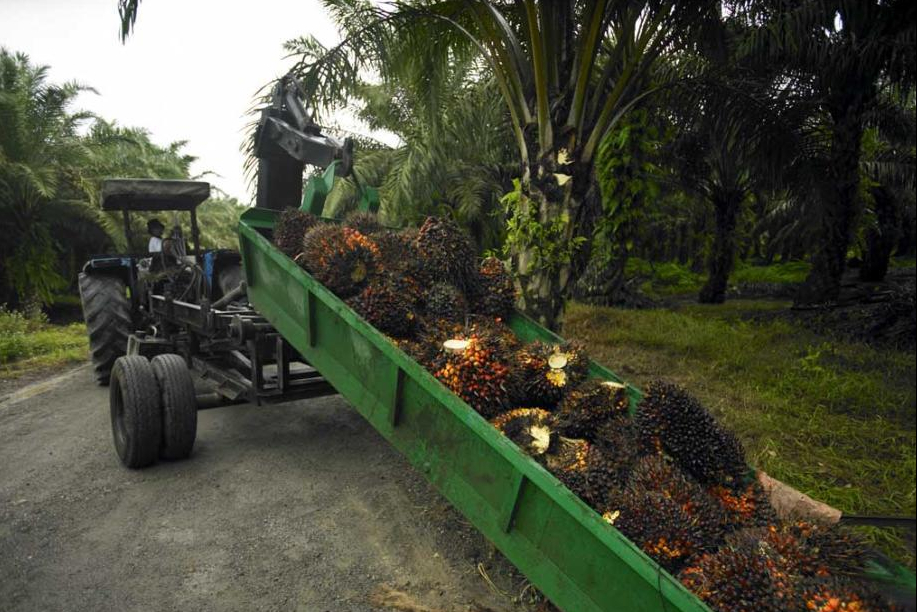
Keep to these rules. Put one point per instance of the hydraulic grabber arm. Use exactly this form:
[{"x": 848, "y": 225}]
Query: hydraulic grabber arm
[{"x": 286, "y": 140}]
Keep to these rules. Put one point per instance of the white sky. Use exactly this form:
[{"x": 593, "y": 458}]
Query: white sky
[{"x": 188, "y": 72}]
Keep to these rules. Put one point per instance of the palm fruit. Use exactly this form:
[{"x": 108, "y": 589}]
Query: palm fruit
[
  {"x": 493, "y": 294},
  {"x": 477, "y": 370},
  {"x": 660, "y": 526},
  {"x": 340, "y": 258},
  {"x": 674, "y": 421},
  {"x": 444, "y": 301},
  {"x": 427, "y": 342},
  {"x": 529, "y": 428},
  {"x": 657, "y": 473},
  {"x": 840, "y": 595},
  {"x": 383, "y": 304},
  {"x": 445, "y": 252},
  {"x": 744, "y": 506},
  {"x": 548, "y": 372},
  {"x": 738, "y": 578},
  {"x": 587, "y": 470},
  {"x": 364, "y": 222},
  {"x": 585, "y": 409},
  {"x": 291, "y": 226},
  {"x": 812, "y": 549}
]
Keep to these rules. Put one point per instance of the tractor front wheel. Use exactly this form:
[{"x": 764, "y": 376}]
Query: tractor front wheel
[{"x": 136, "y": 411}]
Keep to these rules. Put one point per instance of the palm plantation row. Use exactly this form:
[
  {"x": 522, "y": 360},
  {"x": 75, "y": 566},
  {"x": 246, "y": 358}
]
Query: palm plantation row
[{"x": 568, "y": 135}]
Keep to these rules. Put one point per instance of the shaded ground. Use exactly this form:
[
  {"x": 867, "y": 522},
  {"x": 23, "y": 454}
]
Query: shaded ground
[{"x": 294, "y": 507}]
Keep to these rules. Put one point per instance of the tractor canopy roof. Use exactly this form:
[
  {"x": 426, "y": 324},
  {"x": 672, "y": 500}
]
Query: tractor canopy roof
[{"x": 153, "y": 194}]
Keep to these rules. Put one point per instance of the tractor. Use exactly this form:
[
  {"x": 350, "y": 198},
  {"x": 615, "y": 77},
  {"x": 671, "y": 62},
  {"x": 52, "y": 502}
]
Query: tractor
[{"x": 156, "y": 318}]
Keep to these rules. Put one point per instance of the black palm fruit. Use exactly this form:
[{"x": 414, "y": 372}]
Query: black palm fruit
[
  {"x": 384, "y": 305},
  {"x": 366, "y": 223},
  {"x": 445, "y": 301},
  {"x": 291, "y": 227},
  {"x": 589, "y": 471},
  {"x": 589, "y": 406},
  {"x": 675, "y": 422},
  {"x": 446, "y": 252},
  {"x": 493, "y": 294}
]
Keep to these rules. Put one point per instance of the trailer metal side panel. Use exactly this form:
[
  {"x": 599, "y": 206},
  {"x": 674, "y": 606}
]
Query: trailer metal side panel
[{"x": 563, "y": 546}]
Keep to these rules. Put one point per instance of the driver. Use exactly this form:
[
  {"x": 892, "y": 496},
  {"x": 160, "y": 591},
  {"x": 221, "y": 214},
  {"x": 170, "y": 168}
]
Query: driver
[{"x": 156, "y": 229}]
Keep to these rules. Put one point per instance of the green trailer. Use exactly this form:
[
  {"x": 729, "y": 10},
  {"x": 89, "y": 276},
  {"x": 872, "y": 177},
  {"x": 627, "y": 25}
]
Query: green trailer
[{"x": 579, "y": 561}]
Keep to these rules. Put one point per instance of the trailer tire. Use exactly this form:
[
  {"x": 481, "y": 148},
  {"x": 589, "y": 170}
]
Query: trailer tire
[
  {"x": 180, "y": 406},
  {"x": 107, "y": 313},
  {"x": 136, "y": 411}
]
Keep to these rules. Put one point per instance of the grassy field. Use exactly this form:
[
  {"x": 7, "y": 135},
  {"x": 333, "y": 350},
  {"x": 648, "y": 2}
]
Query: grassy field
[
  {"x": 833, "y": 419},
  {"x": 28, "y": 344}
]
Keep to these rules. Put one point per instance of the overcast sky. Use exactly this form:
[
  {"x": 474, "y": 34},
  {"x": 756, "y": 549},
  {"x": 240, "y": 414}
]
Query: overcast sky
[{"x": 189, "y": 71}]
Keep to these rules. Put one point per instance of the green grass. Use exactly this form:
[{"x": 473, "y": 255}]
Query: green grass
[
  {"x": 30, "y": 343},
  {"x": 833, "y": 419},
  {"x": 778, "y": 273},
  {"x": 670, "y": 278}
]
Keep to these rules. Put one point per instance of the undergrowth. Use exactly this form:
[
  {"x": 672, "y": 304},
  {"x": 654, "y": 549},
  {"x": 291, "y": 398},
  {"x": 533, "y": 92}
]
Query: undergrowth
[
  {"x": 31, "y": 342},
  {"x": 831, "y": 418}
]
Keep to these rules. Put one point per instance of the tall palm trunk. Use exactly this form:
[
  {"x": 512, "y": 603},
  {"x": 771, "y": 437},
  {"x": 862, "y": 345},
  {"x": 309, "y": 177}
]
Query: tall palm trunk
[
  {"x": 720, "y": 263},
  {"x": 840, "y": 211}
]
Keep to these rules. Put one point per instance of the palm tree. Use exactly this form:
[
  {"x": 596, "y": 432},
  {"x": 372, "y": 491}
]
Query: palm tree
[
  {"x": 40, "y": 148},
  {"x": 566, "y": 71},
  {"x": 841, "y": 54}
]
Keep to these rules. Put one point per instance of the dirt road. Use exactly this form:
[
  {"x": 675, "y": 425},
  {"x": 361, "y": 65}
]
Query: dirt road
[{"x": 294, "y": 507}]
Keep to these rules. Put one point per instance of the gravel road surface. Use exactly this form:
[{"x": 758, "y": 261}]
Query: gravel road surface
[{"x": 294, "y": 507}]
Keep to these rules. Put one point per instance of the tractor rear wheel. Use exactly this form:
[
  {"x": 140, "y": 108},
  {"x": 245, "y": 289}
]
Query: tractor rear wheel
[
  {"x": 107, "y": 312},
  {"x": 180, "y": 406},
  {"x": 136, "y": 411}
]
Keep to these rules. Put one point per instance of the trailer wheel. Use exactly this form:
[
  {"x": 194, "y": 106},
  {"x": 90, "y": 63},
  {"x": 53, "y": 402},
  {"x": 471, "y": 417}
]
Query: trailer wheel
[
  {"x": 180, "y": 407},
  {"x": 108, "y": 320},
  {"x": 136, "y": 411}
]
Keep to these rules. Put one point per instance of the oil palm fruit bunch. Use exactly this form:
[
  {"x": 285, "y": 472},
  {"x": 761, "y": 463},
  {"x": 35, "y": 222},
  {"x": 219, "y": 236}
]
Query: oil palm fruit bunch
[
  {"x": 744, "y": 506},
  {"x": 841, "y": 595},
  {"x": 589, "y": 406},
  {"x": 291, "y": 226},
  {"x": 493, "y": 294},
  {"x": 528, "y": 428},
  {"x": 340, "y": 258},
  {"x": 617, "y": 440},
  {"x": 586, "y": 470},
  {"x": 445, "y": 252},
  {"x": 445, "y": 301},
  {"x": 476, "y": 369},
  {"x": 738, "y": 578},
  {"x": 656, "y": 473},
  {"x": 672, "y": 420},
  {"x": 812, "y": 549},
  {"x": 382, "y": 303},
  {"x": 366, "y": 223},
  {"x": 660, "y": 526},
  {"x": 547, "y": 372}
]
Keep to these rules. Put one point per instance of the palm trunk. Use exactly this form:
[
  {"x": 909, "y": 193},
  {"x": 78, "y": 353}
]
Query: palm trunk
[
  {"x": 823, "y": 283},
  {"x": 543, "y": 275},
  {"x": 881, "y": 238},
  {"x": 720, "y": 263}
]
